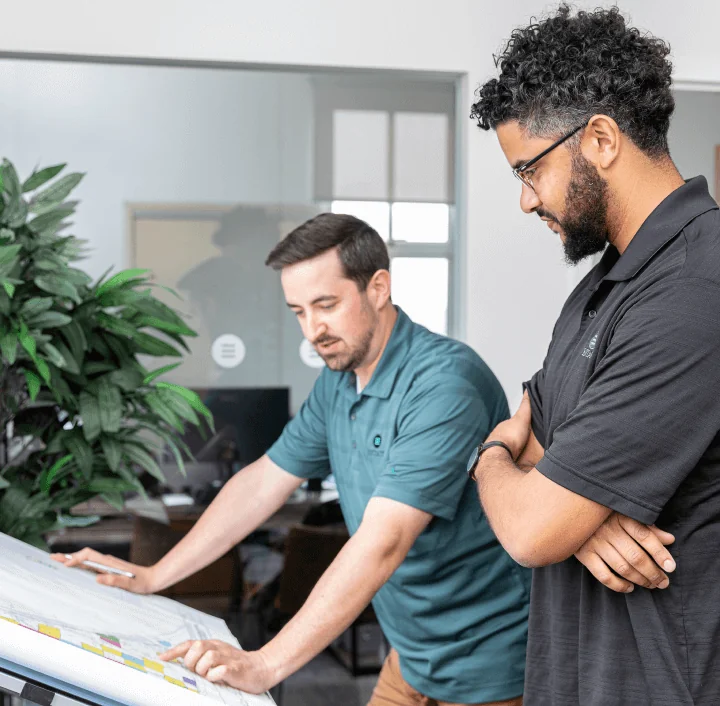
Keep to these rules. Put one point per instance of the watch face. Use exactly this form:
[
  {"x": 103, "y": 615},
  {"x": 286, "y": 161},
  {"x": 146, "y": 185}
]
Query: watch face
[{"x": 473, "y": 459}]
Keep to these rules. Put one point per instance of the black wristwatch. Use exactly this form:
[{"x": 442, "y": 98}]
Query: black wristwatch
[{"x": 478, "y": 451}]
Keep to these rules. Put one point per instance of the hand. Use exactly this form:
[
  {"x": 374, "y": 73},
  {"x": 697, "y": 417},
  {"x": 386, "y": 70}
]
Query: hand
[
  {"x": 515, "y": 432},
  {"x": 219, "y": 662},
  {"x": 144, "y": 581},
  {"x": 626, "y": 546}
]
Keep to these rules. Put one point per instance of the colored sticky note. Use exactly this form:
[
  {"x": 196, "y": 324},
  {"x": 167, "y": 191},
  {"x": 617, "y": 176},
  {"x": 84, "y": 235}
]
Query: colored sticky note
[
  {"x": 49, "y": 630},
  {"x": 90, "y": 648},
  {"x": 177, "y": 682},
  {"x": 155, "y": 666}
]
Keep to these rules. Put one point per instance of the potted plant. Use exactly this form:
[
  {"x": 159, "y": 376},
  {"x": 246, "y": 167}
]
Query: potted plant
[{"x": 79, "y": 412}]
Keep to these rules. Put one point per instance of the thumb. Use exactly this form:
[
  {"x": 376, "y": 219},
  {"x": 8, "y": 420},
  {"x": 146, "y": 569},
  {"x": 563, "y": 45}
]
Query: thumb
[
  {"x": 524, "y": 410},
  {"x": 117, "y": 581}
]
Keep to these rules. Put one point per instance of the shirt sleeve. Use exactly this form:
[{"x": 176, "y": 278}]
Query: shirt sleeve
[
  {"x": 302, "y": 448},
  {"x": 651, "y": 408},
  {"x": 535, "y": 387},
  {"x": 438, "y": 428}
]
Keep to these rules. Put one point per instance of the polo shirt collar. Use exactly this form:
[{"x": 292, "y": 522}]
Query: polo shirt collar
[
  {"x": 383, "y": 378},
  {"x": 662, "y": 225}
]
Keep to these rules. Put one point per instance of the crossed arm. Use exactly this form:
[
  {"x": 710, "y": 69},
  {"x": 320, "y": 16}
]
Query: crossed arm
[{"x": 539, "y": 522}]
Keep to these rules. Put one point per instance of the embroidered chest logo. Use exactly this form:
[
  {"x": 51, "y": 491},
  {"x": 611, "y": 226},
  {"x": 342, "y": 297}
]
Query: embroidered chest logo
[
  {"x": 377, "y": 441},
  {"x": 590, "y": 349}
]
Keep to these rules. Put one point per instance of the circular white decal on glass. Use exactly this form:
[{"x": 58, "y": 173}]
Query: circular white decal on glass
[
  {"x": 228, "y": 350},
  {"x": 310, "y": 356}
]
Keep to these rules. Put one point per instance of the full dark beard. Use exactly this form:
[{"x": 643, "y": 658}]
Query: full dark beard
[
  {"x": 344, "y": 363},
  {"x": 585, "y": 225}
]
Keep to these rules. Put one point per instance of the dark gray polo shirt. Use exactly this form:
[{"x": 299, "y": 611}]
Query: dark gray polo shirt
[{"x": 627, "y": 406}]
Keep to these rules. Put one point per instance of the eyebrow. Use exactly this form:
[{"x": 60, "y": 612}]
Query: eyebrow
[
  {"x": 317, "y": 300},
  {"x": 520, "y": 163}
]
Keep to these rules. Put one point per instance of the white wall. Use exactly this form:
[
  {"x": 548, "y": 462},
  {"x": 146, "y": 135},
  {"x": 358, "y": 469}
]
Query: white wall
[
  {"x": 515, "y": 279},
  {"x": 156, "y": 134},
  {"x": 694, "y": 134}
]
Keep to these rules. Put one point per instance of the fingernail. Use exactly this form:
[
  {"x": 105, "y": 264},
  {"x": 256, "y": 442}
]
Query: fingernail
[
  {"x": 664, "y": 583},
  {"x": 629, "y": 589},
  {"x": 669, "y": 565}
]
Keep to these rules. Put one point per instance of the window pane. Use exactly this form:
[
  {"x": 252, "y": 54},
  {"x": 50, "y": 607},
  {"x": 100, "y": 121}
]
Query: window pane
[
  {"x": 420, "y": 288},
  {"x": 421, "y": 222},
  {"x": 421, "y": 146},
  {"x": 360, "y": 154},
  {"x": 374, "y": 213}
]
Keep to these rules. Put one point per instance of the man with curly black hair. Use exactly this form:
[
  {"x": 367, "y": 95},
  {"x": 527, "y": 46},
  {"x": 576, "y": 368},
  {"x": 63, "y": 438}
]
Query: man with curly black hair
[{"x": 621, "y": 427}]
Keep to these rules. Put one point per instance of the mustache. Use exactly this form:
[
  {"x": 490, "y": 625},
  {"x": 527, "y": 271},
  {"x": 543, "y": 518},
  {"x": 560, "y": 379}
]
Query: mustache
[
  {"x": 546, "y": 214},
  {"x": 323, "y": 340}
]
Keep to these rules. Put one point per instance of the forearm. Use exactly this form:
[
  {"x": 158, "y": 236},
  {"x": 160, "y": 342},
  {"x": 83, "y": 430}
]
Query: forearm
[
  {"x": 244, "y": 503},
  {"x": 537, "y": 521},
  {"x": 339, "y": 597}
]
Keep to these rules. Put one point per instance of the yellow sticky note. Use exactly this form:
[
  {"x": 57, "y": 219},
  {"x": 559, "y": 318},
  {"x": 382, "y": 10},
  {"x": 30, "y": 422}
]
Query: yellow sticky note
[
  {"x": 112, "y": 651},
  {"x": 10, "y": 620},
  {"x": 90, "y": 648},
  {"x": 49, "y": 630},
  {"x": 177, "y": 682},
  {"x": 155, "y": 666},
  {"x": 134, "y": 665}
]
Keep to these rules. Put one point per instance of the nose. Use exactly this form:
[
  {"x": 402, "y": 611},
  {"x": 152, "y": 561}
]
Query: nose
[
  {"x": 314, "y": 327},
  {"x": 529, "y": 200}
]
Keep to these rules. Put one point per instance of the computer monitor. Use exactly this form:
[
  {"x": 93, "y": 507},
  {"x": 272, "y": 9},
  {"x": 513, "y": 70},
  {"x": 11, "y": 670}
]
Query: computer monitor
[{"x": 248, "y": 421}]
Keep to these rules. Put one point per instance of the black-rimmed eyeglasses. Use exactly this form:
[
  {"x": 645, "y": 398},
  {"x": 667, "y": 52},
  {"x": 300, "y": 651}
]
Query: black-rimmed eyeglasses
[{"x": 521, "y": 171}]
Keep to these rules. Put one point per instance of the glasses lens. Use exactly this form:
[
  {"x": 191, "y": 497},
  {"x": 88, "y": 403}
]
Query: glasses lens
[{"x": 524, "y": 179}]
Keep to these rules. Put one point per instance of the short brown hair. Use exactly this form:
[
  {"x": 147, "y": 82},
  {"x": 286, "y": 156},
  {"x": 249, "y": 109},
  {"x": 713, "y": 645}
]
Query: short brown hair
[{"x": 361, "y": 250}]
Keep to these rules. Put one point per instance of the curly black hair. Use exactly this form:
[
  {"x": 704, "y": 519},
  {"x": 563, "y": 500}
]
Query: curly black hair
[{"x": 559, "y": 72}]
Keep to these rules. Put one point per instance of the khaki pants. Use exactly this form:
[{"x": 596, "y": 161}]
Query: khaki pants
[{"x": 393, "y": 690}]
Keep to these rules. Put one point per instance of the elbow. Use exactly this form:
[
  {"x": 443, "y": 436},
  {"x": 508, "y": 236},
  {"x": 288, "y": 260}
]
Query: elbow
[{"x": 536, "y": 552}]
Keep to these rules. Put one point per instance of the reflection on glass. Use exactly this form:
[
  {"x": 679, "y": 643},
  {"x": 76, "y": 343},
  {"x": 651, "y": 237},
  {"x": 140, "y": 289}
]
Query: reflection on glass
[
  {"x": 420, "y": 222},
  {"x": 420, "y": 288},
  {"x": 374, "y": 213}
]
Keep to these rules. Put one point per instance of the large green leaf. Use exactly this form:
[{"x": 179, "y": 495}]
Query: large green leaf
[
  {"x": 75, "y": 336},
  {"x": 55, "y": 285},
  {"x": 56, "y": 193},
  {"x": 128, "y": 378},
  {"x": 37, "y": 179},
  {"x": 55, "y": 356},
  {"x": 81, "y": 452},
  {"x": 34, "y": 306},
  {"x": 111, "y": 406},
  {"x": 179, "y": 405},
  {"x": 48, "y": 477},
  {"x": 160, "y": 371},
  {"x": 112, "y": 451},
  {"x": 192, "y": 398},
  {"x": 116, "y": 325},
  {"x": 49, "y": 319},
  {"x": 90, "y": 415},
  {"x": 162, "y": 410},
  {"x": 120, "y": 279},
  {"x": 48, "y": 222},
  {"x": 150, "y": 345},
  {"x": 142, "y": 458},
  {"x": 27, "y": 341},
  {"x": 8, "y": 345},
  {"x": 9, "y": 253},
  {"x": 72, "y": 364}
]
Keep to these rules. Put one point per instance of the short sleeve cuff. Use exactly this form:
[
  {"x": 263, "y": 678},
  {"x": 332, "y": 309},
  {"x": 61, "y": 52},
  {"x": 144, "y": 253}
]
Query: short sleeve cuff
[
  {"x": 295, "y": 466},
  {"x": 589, "y": 488},
  {"x": 413, "y": 498}
]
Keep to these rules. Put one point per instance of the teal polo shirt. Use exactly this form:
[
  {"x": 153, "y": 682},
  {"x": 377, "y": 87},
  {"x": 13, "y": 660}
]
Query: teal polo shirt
[{"x": 456, "y": 609}]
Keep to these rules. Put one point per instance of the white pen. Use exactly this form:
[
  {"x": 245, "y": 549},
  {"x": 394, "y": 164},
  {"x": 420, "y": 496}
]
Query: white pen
[{"x": 103, "y": 567}]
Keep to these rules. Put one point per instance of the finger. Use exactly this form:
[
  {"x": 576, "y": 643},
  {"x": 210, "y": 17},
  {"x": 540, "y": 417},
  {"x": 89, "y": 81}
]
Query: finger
[
  {"x": 600, "y": 570},
  {"x": 649, "y": 541},
  {"x": 217, "y": 674},
  {"x": 118, "y": 581},
  {"x": 209, "y": 660},
  {"x": 193, "y": 655},
  {"x": 662, "y": 535},
  {"x": 633, "y": 555},
  {"x": 618, "y": 563},
  {"x": 87, "y": 554},
  {"x": 177, "y": 651},
  {"x": 524, "y": 411}
]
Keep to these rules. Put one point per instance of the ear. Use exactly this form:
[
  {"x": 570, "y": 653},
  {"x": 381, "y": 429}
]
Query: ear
[
  {"x": 378, "y": 289},
  {"x": 601, "y": 141}
]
